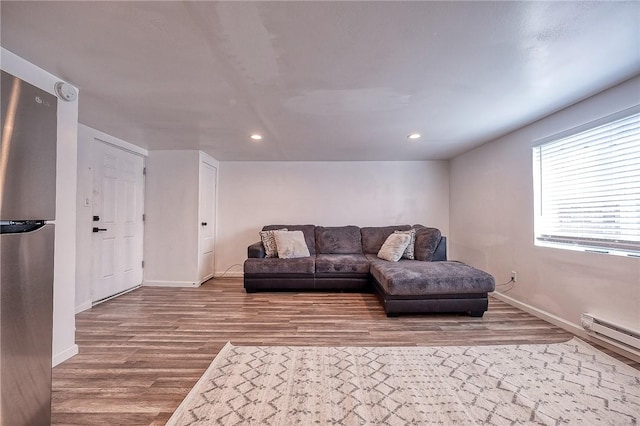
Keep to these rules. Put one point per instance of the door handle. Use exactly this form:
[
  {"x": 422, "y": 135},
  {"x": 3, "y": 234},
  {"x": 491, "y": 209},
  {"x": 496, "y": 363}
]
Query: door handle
[
  {"x": 96, "y": 229},
  {"x": 204, "y": 224}
]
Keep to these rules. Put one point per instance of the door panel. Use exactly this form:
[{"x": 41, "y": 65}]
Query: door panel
[
  {"x": 129, "y": 257},
  {"x": 108, "y": 255},
  {"x": 118, "y": 202},
  {"x": 207, "y": 220}
]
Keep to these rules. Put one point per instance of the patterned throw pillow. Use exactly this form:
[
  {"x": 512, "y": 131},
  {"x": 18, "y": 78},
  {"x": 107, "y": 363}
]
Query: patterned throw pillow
[
  {"x": 394, "y": 246},
  {"x": 269, "y": 243},
  {"x": 409, "y": 252},
  {"x": 291, "y": 244}
]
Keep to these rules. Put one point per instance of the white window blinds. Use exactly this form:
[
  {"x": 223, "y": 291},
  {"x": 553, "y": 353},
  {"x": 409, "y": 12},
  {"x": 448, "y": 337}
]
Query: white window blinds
[{"x": 587, "y": 188}]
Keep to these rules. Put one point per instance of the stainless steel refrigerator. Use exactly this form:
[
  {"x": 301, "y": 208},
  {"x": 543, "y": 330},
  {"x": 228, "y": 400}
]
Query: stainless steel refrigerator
[{"x": 27, "y": 214}]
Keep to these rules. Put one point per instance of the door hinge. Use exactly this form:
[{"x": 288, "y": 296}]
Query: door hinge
[
  {"x": 144, "y": 171},
  {"x": 143, "y": 263},
  {"x": 144, "y": 217}
]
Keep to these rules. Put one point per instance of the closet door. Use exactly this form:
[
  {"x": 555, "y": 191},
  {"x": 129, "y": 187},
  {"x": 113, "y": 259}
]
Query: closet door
[
  {"x": 207, "y": 219},
  {"x": 117, "y": 228}
]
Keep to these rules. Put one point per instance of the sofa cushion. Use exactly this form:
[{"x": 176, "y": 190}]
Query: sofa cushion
[
  {"x": 291, "y": 244},
  {"x": 394, "y": 247},
  {"x": 301, "y": 265},
  {"x": 338, "y": 240},
  {"x": 336, "y": 263},
  {"x": 416, "y": 278},
  {"x": 427, "y": 240},
  {"x": 307, "y": 230},
  {"x": 374, "y": 236}
]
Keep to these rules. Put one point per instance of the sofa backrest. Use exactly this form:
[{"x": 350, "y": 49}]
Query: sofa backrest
[
  {"x": 373, "y": 237},
  {"x": 338, "y": 240},
  {"x": 427, "y": 239},
  {"x": 368, "y": 240},
  {"x": 307, "y": 230}
]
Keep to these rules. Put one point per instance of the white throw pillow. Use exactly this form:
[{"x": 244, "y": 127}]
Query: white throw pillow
[
  {"x": 291, "y": 244},
  {"x": 269, "y": 243},
  {"x": 394, "y": 246},
  {"x": 409, "y": 252}
]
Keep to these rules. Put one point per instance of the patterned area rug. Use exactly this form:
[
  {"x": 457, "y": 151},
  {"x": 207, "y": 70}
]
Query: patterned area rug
[{"x": 561, "y": 383}]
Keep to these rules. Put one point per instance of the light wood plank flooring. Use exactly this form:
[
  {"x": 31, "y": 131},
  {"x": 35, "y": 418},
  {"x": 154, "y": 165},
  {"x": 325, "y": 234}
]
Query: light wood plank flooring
[{"x": 142, "y": 352}]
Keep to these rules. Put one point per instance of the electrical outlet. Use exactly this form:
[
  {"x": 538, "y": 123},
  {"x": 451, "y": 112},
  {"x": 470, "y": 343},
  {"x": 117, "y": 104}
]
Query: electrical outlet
[{"x": 514, "y": 276}]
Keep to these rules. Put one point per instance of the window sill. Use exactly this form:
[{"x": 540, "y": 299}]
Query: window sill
[{"x": 587, "y": 249}]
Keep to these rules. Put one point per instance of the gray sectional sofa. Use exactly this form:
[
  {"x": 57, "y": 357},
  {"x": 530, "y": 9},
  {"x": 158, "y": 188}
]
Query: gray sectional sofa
[{"x": 345, "y": 258}]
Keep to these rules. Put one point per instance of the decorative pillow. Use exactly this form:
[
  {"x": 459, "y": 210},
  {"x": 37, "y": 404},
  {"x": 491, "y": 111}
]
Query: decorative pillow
[
  {"x": 409, "y": 251},
  {"x": 269, "y": 243},
  {"x": 291, "y": 244},
  {"x": 394, "y": 246}
]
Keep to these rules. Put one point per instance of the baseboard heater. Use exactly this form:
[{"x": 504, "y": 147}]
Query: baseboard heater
[{"x": 624, "y": 337}]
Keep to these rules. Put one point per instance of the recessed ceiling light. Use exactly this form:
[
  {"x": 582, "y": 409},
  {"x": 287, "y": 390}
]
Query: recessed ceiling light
[
  {"x": 414, "y": 136},
  {"x": 256, "y": 137}
]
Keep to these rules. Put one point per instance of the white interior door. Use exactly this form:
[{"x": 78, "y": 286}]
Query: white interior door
[
  {"x": 117, "y": 234},
  {"x": 207, "y": 216}
]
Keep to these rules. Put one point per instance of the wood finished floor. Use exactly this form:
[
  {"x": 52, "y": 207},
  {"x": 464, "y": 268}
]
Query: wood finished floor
[{"x": 142, "y": 352}]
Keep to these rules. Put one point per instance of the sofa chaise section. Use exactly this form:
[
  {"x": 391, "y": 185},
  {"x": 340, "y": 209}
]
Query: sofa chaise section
[{"x": 410, "y": 287}]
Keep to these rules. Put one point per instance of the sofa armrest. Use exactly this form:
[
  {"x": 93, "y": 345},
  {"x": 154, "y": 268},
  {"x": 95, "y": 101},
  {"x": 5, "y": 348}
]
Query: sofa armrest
[
  {"x": 440, "y": 254},
  {"x": 256, "y": 250}
]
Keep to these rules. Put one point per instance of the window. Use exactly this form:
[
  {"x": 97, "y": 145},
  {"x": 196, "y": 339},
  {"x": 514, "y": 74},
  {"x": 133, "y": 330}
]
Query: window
[{"x": 587, "y": 187}]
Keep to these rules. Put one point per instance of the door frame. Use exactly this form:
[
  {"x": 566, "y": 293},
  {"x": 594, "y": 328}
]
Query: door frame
[{"x": 87, "y": 137}]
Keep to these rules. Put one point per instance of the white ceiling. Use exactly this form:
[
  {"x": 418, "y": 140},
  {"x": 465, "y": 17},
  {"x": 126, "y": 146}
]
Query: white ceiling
[{"x": 325, "y": 80}]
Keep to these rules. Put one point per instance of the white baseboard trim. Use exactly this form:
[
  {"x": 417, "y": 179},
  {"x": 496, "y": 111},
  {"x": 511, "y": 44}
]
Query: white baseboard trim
[
  {"x": 553, "y": 319},
  {"x": 170, "y": 284},
  {"x": 568, "y": 326},
  {"x": 64, "y": 355},
  {"x": 229, "y": 274},
  {"x": 83, "y": 306},
  {"x": 113, "y": 296}
]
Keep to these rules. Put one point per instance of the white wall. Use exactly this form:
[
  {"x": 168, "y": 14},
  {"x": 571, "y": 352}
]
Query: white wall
[
  {"x": 64, "y": 345},
  {"x": 87, "y": 137},
  {"x": 171, "y": 193},
  {"x": 254, "y": 194},
  {"x": 172, "y": 211},
  {"x": 492, "y": 224}
]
